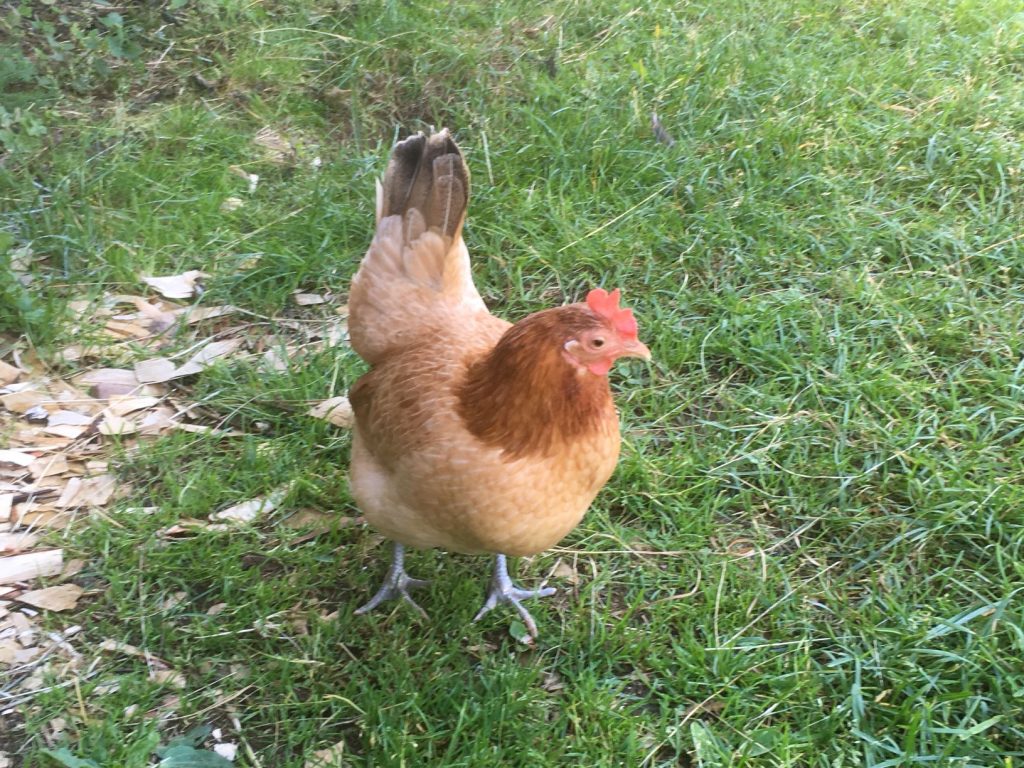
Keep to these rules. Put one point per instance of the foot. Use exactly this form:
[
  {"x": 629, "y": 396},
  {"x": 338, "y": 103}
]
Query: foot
[
  {"x": 504, "y": 591},
  {"x": 396, "y": 584}
]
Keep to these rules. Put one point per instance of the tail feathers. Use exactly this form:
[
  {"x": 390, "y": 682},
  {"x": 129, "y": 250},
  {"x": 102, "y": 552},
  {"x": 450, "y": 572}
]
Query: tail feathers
[
  {"x": 417, "y": 267},
  {"x": 427, "y": 174}
]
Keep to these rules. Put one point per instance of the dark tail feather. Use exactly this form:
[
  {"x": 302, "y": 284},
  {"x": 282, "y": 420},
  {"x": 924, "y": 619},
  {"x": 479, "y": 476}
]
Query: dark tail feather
[{"x": 428, "y": 174}]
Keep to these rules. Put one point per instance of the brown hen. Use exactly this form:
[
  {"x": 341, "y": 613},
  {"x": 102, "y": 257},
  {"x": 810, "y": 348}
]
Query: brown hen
[{"x": 472, "y": 435}]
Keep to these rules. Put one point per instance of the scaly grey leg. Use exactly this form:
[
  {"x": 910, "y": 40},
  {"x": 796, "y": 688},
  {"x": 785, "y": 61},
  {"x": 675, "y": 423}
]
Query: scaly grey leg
[
  {"x": 396, "y": 584},
  {"x": 504, "y": 591}
]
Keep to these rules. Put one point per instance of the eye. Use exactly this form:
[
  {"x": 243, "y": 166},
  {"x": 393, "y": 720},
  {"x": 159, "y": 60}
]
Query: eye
[{"x": 598, "y": 342}]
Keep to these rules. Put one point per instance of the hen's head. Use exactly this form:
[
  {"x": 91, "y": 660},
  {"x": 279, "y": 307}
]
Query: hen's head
[{"x": 603, "y": 333}]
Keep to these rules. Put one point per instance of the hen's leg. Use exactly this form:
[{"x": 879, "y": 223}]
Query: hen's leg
[
  {"x": 504, "y": 591},
  {"x": 396, "y": 584}
]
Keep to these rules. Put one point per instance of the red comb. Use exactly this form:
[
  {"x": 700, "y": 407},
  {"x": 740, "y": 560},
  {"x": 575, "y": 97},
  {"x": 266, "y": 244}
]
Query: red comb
[{"x": 606, "y": 305}]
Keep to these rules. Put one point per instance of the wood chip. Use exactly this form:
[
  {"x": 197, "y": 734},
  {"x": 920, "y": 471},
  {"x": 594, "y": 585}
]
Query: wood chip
[
  {"x": 31, "y": 565},
  {"x": 60, "y": 598},
  {"x": 308, "y": 299},
  {"x": 336, "y": 410}
]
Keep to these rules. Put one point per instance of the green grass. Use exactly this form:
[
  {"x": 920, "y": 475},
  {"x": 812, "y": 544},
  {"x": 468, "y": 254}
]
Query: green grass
[{"x": 823, "y": 469}]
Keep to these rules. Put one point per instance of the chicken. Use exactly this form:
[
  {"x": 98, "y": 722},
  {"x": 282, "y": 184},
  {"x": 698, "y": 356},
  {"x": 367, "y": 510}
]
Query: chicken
[{"x": 471, "y": 434}]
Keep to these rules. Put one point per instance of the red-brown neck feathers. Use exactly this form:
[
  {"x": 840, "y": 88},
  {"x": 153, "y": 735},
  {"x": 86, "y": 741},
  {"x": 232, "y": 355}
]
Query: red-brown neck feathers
[{"x": 525, "y": 397}]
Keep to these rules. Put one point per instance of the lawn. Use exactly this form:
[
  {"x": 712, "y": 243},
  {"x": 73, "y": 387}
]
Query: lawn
[{"x": 811, "y": 551}]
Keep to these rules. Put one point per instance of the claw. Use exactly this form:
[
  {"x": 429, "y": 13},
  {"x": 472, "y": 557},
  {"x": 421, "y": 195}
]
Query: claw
[
  {"x": 396, "y": 584},
  {"x": 504, "y": 591}
]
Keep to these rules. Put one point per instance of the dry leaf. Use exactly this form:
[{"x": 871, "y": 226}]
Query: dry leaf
[
  {"x": 275, "y": 361},
  {"x": 31, "y": 565},
  {"x": 227, "y": 750},
  {"x": 11, "y": 543},
  {"x": 173, "y": 600},
  {"x": 182, "y": 286},
  {"x": 8, "y": 653},
  {"x": 552, "y": 683},
  {"x": 313, "y": 518},
  {"x": 46, "y": 466},
  {"x": 659, "y": 131},
  {"x": 121, "y": 405},
  {"x": 90, "y": 491},
  {"x": 65, "y": 431},
  {"x": 156, "y": 369},
  {"x": 60, "y": 598},
  {"x": 18, "y": 458},
  {"x": 8, "y": 373},
  {"x": 332, "y": 757},
  {"x": 336, "y": 410},
  {"x": 106, "y": 382},
  {"x": 168, "y": 677},
  {"x": 563, "y": 570},
  {"x": 247, "y": 511},
  {"x": 195, "y": 315},
  {"x": 75, "y": 352},
  {"x": 123, "y": 329},
  {"x": 116, "y": 425},
  {"x": 60, "y": 418},
  {"x": 39, "y": 516},
  {"x": 72, "y": 567},
  {"x": 6, "y": 503},
  {"x": 157, "y": 421},
  {"x": 23, "y": 400},
  {"x": 278, "y": 149},
  {"x": 157, "y": 319},
  {"x": 207, "y": 355},
  {"x": 308, "y": 299},
  {"x": 160, "y": 369},
  {"x": 116, "y": 646}
]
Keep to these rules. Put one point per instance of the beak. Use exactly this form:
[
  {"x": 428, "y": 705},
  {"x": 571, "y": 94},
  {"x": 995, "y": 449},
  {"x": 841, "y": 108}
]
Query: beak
[{"x": 636, "y": 349}]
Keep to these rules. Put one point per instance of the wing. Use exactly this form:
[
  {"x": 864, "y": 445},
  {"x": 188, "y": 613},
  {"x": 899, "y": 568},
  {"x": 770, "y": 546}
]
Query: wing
[{"x": 416, "y": 272}]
